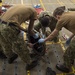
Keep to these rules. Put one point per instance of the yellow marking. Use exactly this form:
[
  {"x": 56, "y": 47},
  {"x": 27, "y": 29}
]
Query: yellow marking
[
  {"x": 73, "y": 69},
  {"x": 62, "y": 45},
  {"x": 59, "y": 39},
  {"x": 58, "y": 3},
  {"x": 60, "y": 74},
  {"x": 0, "y": 4},
  {"x": 60, "y": 42},
  {"x": 21, "y": 1},
  {"x": 48, "y": 43},
  {"x": 61, "y": 3},
  {"x": 28, "y": 72},
  {"x": 73, "y": 1},
  {"x": 42, "y": 5}
]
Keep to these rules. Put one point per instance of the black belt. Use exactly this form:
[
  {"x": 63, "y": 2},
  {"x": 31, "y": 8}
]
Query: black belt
[{"x": 10, "y": 23}]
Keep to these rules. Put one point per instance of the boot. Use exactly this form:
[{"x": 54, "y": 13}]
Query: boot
[
  {"x": 10, "y": 60},
  {"x": 72, "y": 62},
  {"x": 62, "y": 68},
  {"x": 35, "y": 56},
  {"x": 32, "y": 65},
  {"x": 32, "y": 55},
  {"x": 0, "y": 1},
  {"x": 2, "y": 55},
  {"x": 49, "y": 71}
]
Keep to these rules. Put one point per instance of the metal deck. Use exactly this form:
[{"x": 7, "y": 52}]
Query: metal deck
[
  {"x": 53, "y": 56},
  {"x": 55, "y": 51}
]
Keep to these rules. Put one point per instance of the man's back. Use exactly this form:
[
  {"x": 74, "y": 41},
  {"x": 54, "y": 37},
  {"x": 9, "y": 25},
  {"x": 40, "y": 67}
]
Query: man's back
[
  {"x": 67, "y": 20},
  {"x": 18, "y": 13}
]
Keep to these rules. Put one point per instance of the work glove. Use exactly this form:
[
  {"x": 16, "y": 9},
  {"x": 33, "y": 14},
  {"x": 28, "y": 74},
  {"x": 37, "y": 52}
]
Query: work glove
[
  {"x": 68, "y": 41},
  {"x": 41, "y": 40},
  {"x": 22, "y": 33},
  {"x": 36, "y": 35},
  {"x": 43, "y": 36}
]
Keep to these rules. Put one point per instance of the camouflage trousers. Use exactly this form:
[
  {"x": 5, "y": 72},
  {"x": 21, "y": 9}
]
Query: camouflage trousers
[
  {"x": 12, "y": 42},
  {"x": 1, "y": 50},
  {"x": 69, "y": 54}
]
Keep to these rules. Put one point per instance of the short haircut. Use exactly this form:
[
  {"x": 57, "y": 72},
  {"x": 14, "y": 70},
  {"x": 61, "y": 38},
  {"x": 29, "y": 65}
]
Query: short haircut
[
  {"x": 59, "y": 11},
  {"x": 44, "y": 20}
]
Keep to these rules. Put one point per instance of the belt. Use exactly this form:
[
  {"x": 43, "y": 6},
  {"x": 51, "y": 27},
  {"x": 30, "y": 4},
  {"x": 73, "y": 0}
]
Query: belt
[{"x": 10, "y": 24}]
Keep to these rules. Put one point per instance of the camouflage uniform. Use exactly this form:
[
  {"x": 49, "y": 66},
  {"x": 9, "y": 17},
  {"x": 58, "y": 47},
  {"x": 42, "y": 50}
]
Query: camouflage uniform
[
  {"x": 10, "y": 38},
  {"x": 67, "y": 20},
  {"x": 51, "y": 26},
  {"x": 1, "y": 50},
  {"x": 69, "y": 55},
  {"x": 13, "y": 43}
]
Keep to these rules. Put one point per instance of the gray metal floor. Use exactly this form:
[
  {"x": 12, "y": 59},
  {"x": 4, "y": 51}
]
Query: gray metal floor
[
  {"x": 55, "y": 51},
  {"x": 53, "y": 56}
]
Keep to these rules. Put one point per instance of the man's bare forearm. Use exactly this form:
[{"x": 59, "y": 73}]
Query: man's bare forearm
[
  {"x": 52, "y": 35},
  {"x": 30, "y": 27}
]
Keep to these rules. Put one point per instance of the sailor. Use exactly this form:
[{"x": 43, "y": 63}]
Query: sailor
[
  {"x": 13, "y": 45},
  {"x": 67, "y": 20},
  {"x": 46, "y": 21}
]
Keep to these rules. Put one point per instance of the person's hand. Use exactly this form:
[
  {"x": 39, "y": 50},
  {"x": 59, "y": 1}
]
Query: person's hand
[
  {"x": 41, "y": 40},
  {"x": 22, "y": 33},
  {"x": 43, "y": 36},
  {"x": 36, "y": 35},
  {"x": 30, "y": 45},
  {"x": 68, "y": 41}
]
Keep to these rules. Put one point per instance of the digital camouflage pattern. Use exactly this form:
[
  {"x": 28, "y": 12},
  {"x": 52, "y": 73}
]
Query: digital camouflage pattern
[
  {"x": 69, "y": 54},
  {"x": 12, "y": 42}
]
